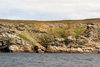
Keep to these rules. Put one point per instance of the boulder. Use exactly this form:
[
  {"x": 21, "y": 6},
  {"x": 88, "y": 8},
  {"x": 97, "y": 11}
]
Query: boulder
[
  {"x": 13, "y": 48},
  {"x": 56, "y": 49},
  {"x": 81, "y": 40},
  {"x": 20, "y": 48}
]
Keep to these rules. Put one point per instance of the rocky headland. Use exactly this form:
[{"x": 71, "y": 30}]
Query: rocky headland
[{"x": 50, "y": 37}]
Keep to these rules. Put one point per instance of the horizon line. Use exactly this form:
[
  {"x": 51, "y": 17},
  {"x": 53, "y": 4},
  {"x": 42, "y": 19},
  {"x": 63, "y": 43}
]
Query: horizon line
[{"x": 51, "y": 20}]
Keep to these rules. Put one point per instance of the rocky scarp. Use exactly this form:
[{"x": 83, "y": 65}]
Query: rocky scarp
[{"x": 42, "y": 37}]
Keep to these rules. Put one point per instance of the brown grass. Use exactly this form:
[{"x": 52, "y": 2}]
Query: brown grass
[{"x": 63, "y": 21}]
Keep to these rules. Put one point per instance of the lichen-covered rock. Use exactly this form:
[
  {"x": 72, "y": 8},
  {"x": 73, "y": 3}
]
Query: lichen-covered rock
[
  {"x": 19, "y": 48},
  {"x": 56, "y": 49},
  {"x": 13, "y": 48},
  {"x": 81, "y": 40},
  {"x": 23, "y": 37}
]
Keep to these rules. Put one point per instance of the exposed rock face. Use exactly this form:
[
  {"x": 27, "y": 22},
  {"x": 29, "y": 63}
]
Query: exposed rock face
[
  {"x": 19, "y": 48},
  {"x": 22, "y": 38},
  {"x": 9, "y": 39},
  {"x": 56, "y": 49},
  {"x": 88, "y": 41}
]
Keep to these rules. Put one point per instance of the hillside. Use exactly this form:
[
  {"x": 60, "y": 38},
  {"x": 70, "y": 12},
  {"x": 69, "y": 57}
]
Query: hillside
[
  {"x": 59, "y": 21},
  {"x": 71, "y": 36}
]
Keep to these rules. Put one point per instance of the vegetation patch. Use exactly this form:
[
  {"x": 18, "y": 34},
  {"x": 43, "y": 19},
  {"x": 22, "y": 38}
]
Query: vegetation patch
[
  {"x": 79, "y": 31},
  {"x": 45, "y": 39},
  {"x": 26, "y": 39},
  {"x": 59, "y": 33}
]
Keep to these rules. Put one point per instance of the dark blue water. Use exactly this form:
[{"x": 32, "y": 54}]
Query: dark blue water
[{"x": 49, "y": 60}]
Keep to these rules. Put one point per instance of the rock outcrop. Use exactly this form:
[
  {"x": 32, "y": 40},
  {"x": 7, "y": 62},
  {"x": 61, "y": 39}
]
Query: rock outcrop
[{"x": 50, "y": 38}]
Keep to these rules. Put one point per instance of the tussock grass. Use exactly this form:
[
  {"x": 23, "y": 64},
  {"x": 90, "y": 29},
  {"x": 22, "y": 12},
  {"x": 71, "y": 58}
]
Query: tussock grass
[
  {"x": 79, "y": 31},
  {"x": 26, "y": 39},
  {"x": 59, "y": 33},
  {"x": 45, "y": 39},
  {"x": 67, "y": 31}
]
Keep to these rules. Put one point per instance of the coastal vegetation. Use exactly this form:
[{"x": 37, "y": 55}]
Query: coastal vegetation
[{"x": 50, "y": 36}]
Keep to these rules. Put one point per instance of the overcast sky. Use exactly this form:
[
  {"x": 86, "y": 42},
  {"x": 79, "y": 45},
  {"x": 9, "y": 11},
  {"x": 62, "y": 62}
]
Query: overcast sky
[{"x": 49, "y": 9}]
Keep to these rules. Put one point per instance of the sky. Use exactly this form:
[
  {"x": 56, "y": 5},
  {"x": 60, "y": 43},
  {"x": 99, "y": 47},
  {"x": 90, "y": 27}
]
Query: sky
[{"x": 49, "y": 9}]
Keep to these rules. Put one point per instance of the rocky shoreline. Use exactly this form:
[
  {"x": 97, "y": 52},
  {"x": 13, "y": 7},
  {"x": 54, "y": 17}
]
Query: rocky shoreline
[{"x": 50, "y": 37}]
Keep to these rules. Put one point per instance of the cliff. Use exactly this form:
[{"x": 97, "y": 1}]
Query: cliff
[{"x": 78, "y": 36}]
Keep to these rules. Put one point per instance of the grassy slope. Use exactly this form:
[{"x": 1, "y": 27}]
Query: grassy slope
[{"x": 63, "y": 21}]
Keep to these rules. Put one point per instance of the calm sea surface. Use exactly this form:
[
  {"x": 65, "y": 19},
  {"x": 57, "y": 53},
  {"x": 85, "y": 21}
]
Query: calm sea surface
[{"x": 49, "y": 60}]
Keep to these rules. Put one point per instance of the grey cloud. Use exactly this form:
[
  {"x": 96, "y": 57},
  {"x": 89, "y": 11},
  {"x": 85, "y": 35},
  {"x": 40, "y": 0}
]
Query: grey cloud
[{"x": 50, "y": 9}]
